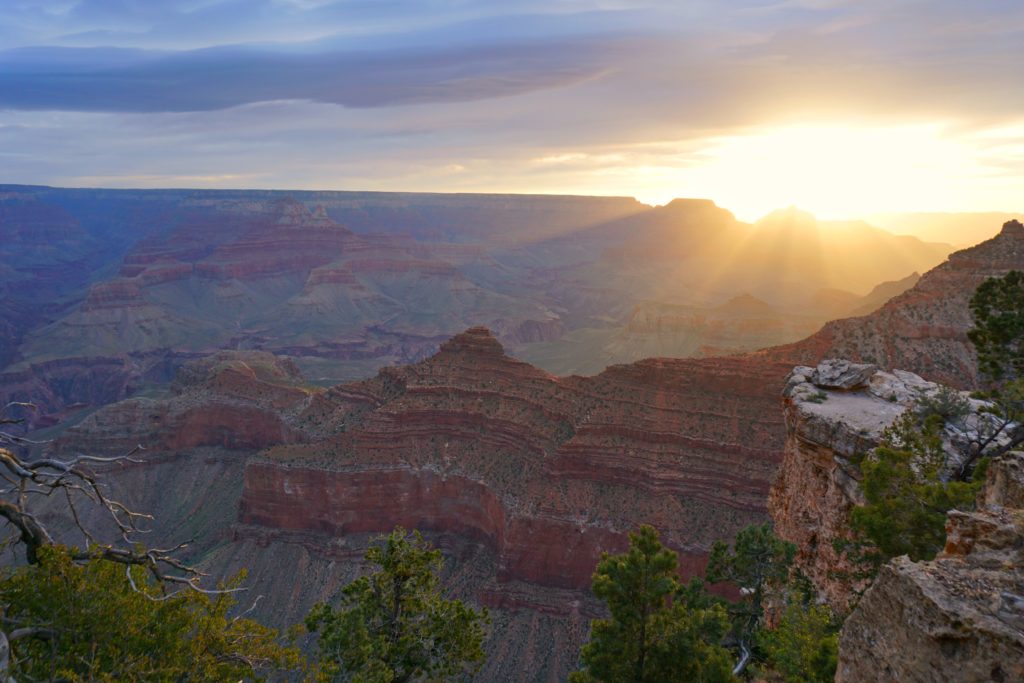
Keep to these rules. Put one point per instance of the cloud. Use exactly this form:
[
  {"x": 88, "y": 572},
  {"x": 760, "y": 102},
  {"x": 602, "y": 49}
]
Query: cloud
[
  {"x": 398, "y": 94},
  {"x": 97, "y": 79}
]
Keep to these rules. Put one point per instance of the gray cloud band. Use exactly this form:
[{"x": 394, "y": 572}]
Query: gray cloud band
[{"x": 125, "y": 80}]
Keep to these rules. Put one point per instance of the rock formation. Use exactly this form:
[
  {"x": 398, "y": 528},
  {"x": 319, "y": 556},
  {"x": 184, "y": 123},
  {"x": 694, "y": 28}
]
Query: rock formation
[
  {"x": 959, "y": 617},
  {"x": 835, "y": 414},
  {"x": 120, "y": 287},
  {"x": 923, "y": 330},
  {"x": 521, "y": 477}
]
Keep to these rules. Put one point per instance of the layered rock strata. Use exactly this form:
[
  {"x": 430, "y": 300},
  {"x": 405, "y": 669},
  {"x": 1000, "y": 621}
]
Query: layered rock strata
[
  {"x": 548, "y": 472},
  {"x": 959, "y": 617},
  {"x": 521, "y": 477}
]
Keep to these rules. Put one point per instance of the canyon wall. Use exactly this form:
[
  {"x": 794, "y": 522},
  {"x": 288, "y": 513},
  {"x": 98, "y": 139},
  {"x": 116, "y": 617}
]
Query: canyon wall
[
  {"x": 957, "y": 618},
  {"x": 522, "y": 478},
  {"x": 103, "y": 293},
  {"x": 924, "y": 329},
  {"x": 836, "y": 413}
]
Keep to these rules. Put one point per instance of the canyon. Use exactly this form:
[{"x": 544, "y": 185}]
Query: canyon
[
  {"x": 106, "y": 292},
  {"x": 521, "y": 477},
  {"x": 237, "y": 320}
]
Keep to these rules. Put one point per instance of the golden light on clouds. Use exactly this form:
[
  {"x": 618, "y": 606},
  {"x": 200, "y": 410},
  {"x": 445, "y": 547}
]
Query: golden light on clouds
[{"x": 832, "y": 170}]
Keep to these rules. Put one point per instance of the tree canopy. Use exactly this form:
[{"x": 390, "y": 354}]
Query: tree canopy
[
  {"x": 103, "y": 621},
  {"x": 998, "y": 332},
  {"x": 907, "y": 493},
  {"x": 803, "y": 645},
  {"x": 113, "y": 609},
  {"x": 394, "y": 625},
  {"x": 756, "y": 562},
  {"x": 658, "y": 630}
]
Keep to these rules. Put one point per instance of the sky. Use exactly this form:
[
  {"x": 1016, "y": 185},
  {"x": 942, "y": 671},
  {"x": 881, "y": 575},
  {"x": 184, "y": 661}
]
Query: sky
[{"x": 842, "y": 107}]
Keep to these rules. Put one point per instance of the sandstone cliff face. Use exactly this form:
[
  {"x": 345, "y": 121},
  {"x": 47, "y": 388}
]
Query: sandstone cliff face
[
  {"x": 835, "y": 413},
  {"x": 555, "y": 470},
  {"x": 959, "y": 617}
]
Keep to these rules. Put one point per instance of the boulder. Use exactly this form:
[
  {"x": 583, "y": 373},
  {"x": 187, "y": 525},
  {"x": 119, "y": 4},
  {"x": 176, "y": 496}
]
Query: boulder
[
  {"x": 959, "y": 617},
  {"x": 836, "y": 373}
]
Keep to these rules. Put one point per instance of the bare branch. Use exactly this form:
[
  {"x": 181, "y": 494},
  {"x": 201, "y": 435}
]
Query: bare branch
[{"x": 44, "y": 476}]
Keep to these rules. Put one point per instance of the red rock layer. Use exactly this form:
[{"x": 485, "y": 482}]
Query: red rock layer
[
  {"x": 547, "y": 472},
  {"x": 233, "y": 400}
]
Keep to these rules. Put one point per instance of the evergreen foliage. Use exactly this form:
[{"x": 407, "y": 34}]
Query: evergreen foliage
[
  {"x": 998, "y": 333},
  {"x": 658, "y": 630},
  {"x": 757, "y": 562},
  {"x": 394, "y": 625},
  {"x": 907, "y": 496},
  {"x": 803, "y": 645},
  {"x": 87, "y": 622}
]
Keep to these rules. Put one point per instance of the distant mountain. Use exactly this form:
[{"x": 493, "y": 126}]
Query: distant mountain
[
  {"x": 959, "y": 229},
  {"x": 881, "y": 295},
  {"x": 106, "y": 292},
  {"x": 662, "y": 330},
  {"x": 924, "y": 329}
]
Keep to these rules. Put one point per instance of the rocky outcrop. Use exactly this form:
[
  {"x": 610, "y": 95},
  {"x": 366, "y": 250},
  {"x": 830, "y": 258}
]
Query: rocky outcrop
[
  {"x": 835, "y": 413},
  {"x": 923, "y": 330},
  {"x": 959, "y": 617},
  {"x": 233, "y": 400}
]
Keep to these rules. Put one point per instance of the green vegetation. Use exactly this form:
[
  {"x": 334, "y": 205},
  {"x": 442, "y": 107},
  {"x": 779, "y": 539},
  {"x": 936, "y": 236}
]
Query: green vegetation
[
  {"x": 998, "y": 337},
  {"x": 758, "y": 563},
  {"x": 658, "y": 630},
  {"x": 103, "y": 621},
  {"x": 998, "y": 333},
  {"x": 661, "y": 630},
  {"x": 394, "y": 625},
  {"x": 804, "y": 644},
  {"x": 907, "y": 495},
  {"x": 909, "y": 481}
]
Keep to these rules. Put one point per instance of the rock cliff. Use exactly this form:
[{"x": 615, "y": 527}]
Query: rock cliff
[
  {"x": 835, "y": 414},
  {"x": 959, "y": 617},
  {"x": 521, "y": 477},
  {"x": 548, "y": 472}
]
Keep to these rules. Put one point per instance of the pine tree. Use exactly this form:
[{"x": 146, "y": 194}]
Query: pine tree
[
  {"x": 394, "y": 625},
  {"x": 103, "y": 621},
  {"x": 658, "y": 630},
  {"x": 998, "y": 333},
  {"x": 757, "y": 562}
]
